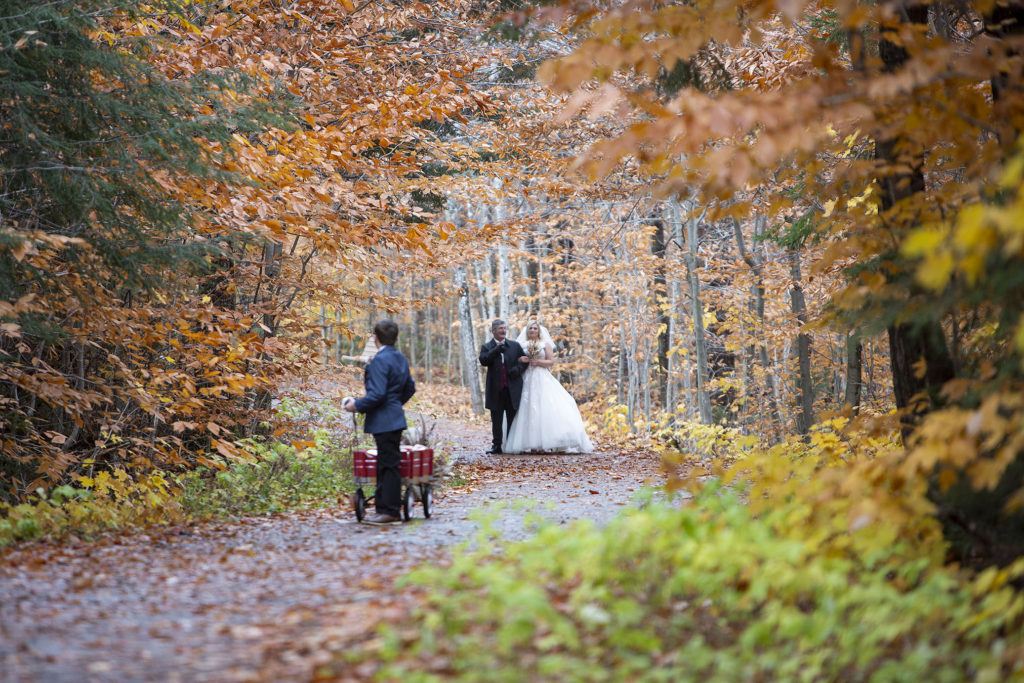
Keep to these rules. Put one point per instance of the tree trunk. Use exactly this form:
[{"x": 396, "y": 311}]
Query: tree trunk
[
  {"x": 803, "y": 341},
  {"x": 627, "y": 363},
  {"x": 428, "y": 317},
  {"x": 660, "y": 293},
  {"x": 672, "y": 360},
  {"x": 908, "y": 347},
  {"x": 449, "y": 325},
  {"x": 921, "y": 341},
  {"x": 676, "y": 330},
  {"x": 467, "y": 344},
  {"x": 620, "y": 372},
  {"x": 325, "y": 330},
  {"x": 756, "y": 264},
  {"x": 692, "y": 262},
  {"x": 504, "y": 281},
  {"x": 484, "y": 302},
  {"x": 854, "y": 380}
]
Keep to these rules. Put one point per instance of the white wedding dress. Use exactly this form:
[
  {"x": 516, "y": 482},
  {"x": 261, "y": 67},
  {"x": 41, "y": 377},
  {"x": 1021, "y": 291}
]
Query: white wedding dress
[{"x": 548, "y": 419}]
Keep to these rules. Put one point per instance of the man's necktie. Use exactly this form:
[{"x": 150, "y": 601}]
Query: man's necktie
[{"x": 503, "y": 373}]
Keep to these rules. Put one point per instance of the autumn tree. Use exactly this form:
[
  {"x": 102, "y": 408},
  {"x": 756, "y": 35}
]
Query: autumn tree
[
  {"x": 168, "y": 251},
  {"x": 902, "y": 138},
  {"x": 93, "y": 238}
]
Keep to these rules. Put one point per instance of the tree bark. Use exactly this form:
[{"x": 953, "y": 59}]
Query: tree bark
[
  {"x": 756, "y": 264},
  {"x": 660, "y": 294},
  {"x": 428, "y": 317},
  {"x": 805, "y": 418},
  {"x": 672, "y": 332},
  {"x": 467, "y": 344},
  {"x": 448, "y": 326},
  {"x": 854, "y": 374},
  {"x": 484, "y": 301},
  {"x": 923, "y": 340},
  {"x": 504, "y": 281},
  {"x": 691, "y": 257},
  {"x": 676, "y": 227}
]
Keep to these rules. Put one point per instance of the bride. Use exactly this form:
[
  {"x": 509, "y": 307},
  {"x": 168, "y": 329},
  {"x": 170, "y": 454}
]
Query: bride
[{"x": 548, "y": 419}]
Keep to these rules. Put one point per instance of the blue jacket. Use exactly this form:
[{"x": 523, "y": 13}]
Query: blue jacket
[{"x": 388, "y": 386}]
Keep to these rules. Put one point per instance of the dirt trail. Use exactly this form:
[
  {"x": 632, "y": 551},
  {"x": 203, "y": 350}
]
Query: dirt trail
[{"x": 268, "y": 598}]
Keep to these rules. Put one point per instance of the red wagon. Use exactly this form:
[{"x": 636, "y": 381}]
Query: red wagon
[{"x": 416, "y": 468}]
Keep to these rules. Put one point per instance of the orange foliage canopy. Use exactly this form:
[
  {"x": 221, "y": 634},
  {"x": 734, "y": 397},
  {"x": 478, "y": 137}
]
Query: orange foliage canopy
[
  {"x": 291, "y": 211},
  {"x": 894, "y": 129}
]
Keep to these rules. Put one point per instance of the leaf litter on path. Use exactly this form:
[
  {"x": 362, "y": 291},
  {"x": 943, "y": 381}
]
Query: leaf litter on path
[{"x": 273, "y": 598}]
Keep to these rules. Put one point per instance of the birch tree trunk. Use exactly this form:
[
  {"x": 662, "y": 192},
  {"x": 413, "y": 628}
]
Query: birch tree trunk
[
  {"x": 504, "y": 281},
  {"x": 660, "y": 251},
  {"x": 626, "y": 363},
  {"x": 484, "y": 302},
  {"x": 677, "y": 314},
  {"x": 540, "y": 278},
  {"x": 467, "y": 344},
  {"x": 449, "y": 324},
  {"x": 428, "y": 316},
  {"x": 691, "y": 258}
]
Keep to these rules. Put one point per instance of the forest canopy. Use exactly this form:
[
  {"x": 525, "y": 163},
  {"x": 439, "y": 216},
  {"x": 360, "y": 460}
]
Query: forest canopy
[
  {"x": 761, "y": 216},
  {"x": 778, "y": 246}
]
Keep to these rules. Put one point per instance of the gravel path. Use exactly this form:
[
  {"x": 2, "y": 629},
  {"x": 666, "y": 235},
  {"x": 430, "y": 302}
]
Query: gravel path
[{"x": 267, "y": 598}]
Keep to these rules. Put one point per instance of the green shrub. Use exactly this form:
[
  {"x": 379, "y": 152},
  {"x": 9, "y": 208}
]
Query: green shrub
[
  {"x": 279, "y": 477},
  {"x": 104, "y": 502},
  {"x": 704, "y": 591}
]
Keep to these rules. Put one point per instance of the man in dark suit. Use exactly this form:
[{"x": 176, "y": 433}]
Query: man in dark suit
[
  {"x": 388, "y": 386},
  {"x": 504, "y": 386}
]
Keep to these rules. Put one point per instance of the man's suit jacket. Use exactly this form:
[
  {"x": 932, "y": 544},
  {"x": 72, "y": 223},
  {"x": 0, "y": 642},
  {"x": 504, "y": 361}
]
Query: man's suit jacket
[
  {"x": 491, "y": 357},
  {"x": 388, "y": 386}
]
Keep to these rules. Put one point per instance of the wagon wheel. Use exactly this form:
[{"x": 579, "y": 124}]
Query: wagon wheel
[
  {"x": 407, "y": 504},
  {"x": 360, "y": 504},
  {"x": 426, "y": 499}
]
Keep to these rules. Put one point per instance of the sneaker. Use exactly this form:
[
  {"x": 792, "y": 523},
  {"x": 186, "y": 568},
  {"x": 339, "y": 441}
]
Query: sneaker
[{"x": 381, "y": 519}]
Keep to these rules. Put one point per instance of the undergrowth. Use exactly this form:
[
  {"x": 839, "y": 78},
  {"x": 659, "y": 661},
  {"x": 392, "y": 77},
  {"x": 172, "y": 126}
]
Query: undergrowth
[
  {"x": 273, "y": 476},
  {"x": 278, "y": 477},
  {"x": 803, "y": 560},
  {"x": 701, "y": 592},
  {"x": 104, "y": 502}
]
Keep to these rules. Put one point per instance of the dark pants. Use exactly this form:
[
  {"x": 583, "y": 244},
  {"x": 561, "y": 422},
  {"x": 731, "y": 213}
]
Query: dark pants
[
  {"x": 504, "y": 408},
  {"x": 388, "y": 495}
]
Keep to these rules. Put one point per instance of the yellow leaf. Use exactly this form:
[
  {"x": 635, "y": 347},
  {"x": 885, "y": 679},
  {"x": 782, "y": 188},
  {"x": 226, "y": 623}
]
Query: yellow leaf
[
  {"x": 922, "y": 241},
  {"x": 971, "y": 227},
  {"x": 189, "y": 25},
  {"x": 1012, "y": 173},
  {"x": 936, "y": 270}
]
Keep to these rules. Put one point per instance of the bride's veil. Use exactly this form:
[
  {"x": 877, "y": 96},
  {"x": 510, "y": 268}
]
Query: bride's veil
[{"x": 545, "y": 338}]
